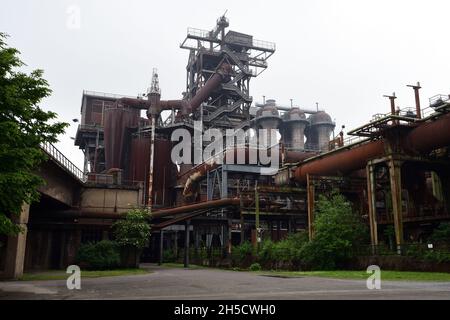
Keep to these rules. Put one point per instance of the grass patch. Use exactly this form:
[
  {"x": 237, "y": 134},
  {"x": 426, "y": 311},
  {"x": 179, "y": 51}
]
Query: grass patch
[
  {"x": 180, "y": 265},
  {"x": 62, "y": 275},
  {"x": 362, "y": 275}
]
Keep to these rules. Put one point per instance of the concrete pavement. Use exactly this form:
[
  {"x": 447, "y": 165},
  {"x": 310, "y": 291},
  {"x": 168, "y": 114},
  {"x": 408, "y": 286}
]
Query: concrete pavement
[{"x": 213, "y": 284}]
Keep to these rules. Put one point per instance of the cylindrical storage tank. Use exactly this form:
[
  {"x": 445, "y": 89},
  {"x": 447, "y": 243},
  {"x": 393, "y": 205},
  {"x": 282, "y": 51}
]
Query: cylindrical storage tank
[
  {"x": 294, "y": 122},
  {"x": 164, "y": 168},
  {"x": 319, "y": 131},
  {"x": 117, "y": 122},
  {"x": 268, "y": 117}
]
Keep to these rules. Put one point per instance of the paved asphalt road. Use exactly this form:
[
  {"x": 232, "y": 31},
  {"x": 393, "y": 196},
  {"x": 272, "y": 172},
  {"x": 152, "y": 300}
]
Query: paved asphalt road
[{"x": 174, "y": 283}]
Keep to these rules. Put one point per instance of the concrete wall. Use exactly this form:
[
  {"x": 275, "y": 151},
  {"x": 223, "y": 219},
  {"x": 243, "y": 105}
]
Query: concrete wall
[
  {"x": 59, "y": 185},
  {"x": 109, "y": 200}
]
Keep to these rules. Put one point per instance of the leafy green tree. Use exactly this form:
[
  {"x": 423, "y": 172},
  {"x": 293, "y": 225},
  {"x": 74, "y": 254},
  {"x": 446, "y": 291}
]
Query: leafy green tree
[
  {"x": 337, "y": 231},
  {"x": 132, "y": 234},
  {"x": 134, "y": 230},
  {"x": 24, "y": 126}
]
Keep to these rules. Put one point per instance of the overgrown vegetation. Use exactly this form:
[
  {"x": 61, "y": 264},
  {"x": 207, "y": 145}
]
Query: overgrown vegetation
[
  {"x": 441, "y": 235},
  {"x": 439, "y": 252},
  {"x": 131, "y": 235},
  {"x": 102, "y": 255},
  {"x": 337, "y": 232},
  {"x": 24, "y": 126}
]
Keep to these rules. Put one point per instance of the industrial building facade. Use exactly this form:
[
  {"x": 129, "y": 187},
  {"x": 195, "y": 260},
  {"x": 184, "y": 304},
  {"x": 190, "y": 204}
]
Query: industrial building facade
[{"x": 395, "y": 169}]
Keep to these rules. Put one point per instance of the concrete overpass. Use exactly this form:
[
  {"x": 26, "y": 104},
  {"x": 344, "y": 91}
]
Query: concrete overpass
[{"x": 70, "y": 202}]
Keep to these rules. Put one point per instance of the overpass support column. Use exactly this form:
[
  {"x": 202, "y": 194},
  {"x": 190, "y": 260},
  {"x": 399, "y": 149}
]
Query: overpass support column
[
  {"x": 396, "y": 192},
  {"x": 372, "y": 207},
  {"x": 15, "y": 250}
]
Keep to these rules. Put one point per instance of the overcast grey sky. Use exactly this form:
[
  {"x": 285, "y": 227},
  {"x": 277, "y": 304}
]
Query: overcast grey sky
[{"x": 344, "y": 54}]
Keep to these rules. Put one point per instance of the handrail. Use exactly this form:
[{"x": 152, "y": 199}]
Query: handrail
[
  {"x": 106, "y": 95},
  {"x": 60, "y": 158},
  {"x": 264, "y": 44}
]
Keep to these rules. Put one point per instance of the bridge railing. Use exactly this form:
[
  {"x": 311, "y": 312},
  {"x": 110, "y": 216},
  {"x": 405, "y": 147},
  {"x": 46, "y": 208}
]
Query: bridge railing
[{"x": 60, "y": 158}]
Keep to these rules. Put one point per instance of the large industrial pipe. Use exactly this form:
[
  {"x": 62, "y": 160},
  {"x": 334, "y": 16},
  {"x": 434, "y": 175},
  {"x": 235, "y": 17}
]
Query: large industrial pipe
[
  {"x": 429, "y": 135},
  {"x": 198, "y": 173},
  {"x": 155, "y": 106},
  {"x": 155, "y": 214},
  {"x": 196, "y": 206},
  {"x": 213, "y": 82},
  {"x": 343, "y": 161},
  {"x": 426, "y": 137}
]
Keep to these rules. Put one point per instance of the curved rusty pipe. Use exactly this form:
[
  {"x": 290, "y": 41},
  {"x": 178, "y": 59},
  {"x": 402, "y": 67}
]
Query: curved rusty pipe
[
  {"x": 342, "y": 161},
  {"x": 425, "y": 137},
  {"x": 429, "y": 135},
  {"x": 198, "y": 173},
  {"x": 154, "y": 105},
  {"x": 196, "y": 206},
  {"x": 155, "y": 214},
  {"x": 222, "y": 73}
]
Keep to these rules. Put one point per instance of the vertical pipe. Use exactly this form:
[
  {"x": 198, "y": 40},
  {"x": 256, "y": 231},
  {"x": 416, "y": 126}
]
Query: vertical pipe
[
  {"x": 258, "y": 230},
  {"x": 396, "y": 192},
  {"x": 242, "y": 220},
  {"x": 392, "y": 102},
  {"x": 372, "y": 207},
  {"x": 186, "y": 243},
  {"x": 416, "y": 88},
  {"x": 150, "y": 174}
]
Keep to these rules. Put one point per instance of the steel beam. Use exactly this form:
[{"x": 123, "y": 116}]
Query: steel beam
[
  {"x": 310, "y": 200},
  {"x": 372, "y": 207},
  {"x": 396, "y": 193}
]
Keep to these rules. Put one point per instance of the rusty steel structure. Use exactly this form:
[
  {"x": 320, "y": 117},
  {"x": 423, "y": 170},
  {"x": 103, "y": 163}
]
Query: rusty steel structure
[{"x": 395, "y": 169}]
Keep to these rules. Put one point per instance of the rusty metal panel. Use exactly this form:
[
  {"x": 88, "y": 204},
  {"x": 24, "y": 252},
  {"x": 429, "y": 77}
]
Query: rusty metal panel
[
  {"x": 116, "y": 122},
  {"x": 164, "y": 168}
]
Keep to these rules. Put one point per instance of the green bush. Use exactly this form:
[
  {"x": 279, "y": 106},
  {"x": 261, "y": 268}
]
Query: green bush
[
  {"x": 255, "y": 267},
  {"x": 337, "y": 233},
  {"x": 98, "y": 256},
  {"x": 422, "y": 253},
  {"x": 243, "y": 251},
  {"x": 441, "y": 234},
  {"x": 169, "y": 256},
  {"x": 288, "y": 250},
  {"x": 266, "y": 252},
  {"x": 437, "y": 256}
]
